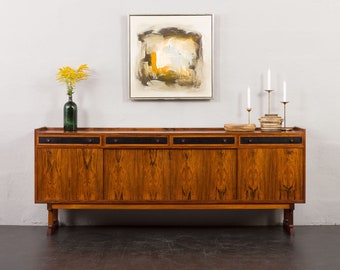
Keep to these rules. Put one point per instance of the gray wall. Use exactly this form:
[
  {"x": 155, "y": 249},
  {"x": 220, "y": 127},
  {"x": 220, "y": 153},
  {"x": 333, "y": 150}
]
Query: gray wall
[{"x": 298, "y": 40}]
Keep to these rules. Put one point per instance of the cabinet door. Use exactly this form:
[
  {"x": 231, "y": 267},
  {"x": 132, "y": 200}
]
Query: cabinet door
[
  {"x": 271, "y": 174},
  {"x": 69, "y": 174},
  {"x": 136, "y": 174},
  {"x": 290, "y": 175},
  {"x": 203, "y": 174}
]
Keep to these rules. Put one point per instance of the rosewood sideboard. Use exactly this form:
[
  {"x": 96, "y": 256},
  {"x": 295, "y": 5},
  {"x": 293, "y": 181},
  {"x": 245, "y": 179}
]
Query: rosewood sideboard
[{"x": 169, "y": 168}]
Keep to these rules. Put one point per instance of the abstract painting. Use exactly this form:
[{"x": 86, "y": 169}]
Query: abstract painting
[{"x": 170, "y": 56}]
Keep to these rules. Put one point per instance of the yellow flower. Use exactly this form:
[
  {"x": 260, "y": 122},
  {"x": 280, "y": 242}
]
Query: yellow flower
[{"x": 70, "y": 76}]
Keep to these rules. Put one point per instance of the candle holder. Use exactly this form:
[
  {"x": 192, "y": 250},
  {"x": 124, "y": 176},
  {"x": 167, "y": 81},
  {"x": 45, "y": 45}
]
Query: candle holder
[
  {"x": 269, "y": 91},
  {"x": 285, "y": 128},
  {"x": 248, "y": 110},
  {"x": 241, "y": 127}
]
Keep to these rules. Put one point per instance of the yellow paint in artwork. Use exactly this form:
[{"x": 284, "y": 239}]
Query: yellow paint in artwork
[
  {"x": 154, "y": 67},
  {"x": 170, "y": 59},
  {"x": 154, "y": 62}
]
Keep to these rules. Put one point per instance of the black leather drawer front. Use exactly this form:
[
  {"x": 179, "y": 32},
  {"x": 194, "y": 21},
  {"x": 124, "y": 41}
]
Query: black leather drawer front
[
  {"x": 69, "y": 140},
  {"x": 136, "y": 140},
  {"x": 204, "y": 140},
  {"x": 271, "y": 140}
]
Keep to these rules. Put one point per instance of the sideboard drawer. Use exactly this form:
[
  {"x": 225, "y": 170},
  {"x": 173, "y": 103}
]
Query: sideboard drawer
[
  {"x": 137, "y": 140},
  {"x": 271, "y": 140},
  {"x": 69, "y": 140},
  {"x": 203, "y": 140}
]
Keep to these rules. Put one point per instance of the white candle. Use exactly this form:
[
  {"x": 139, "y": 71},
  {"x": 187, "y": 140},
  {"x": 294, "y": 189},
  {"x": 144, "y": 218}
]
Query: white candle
[
  {"x": 268, "y": 80},
  {"x": 284, "y": 91},
  {"x": 248, "y": 99}
]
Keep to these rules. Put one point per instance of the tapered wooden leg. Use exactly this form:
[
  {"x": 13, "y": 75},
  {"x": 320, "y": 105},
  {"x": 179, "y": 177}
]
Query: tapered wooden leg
[
  {"x": 288, "y": 219},
  {"x": 53, "y": 222}
]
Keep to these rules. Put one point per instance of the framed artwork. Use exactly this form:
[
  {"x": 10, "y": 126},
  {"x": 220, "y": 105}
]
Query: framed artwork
[{"x": 170, "y": 56}]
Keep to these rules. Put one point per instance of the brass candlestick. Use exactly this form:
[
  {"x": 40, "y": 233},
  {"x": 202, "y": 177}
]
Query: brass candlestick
[
  {"x": 285, "y": 128},
  {"x": 248, "y": 110},
  {"x": 269, "y": 91}
]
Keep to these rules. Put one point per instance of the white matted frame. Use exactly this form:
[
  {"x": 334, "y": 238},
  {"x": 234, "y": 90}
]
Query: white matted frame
[{"x": 171, "y": 56}]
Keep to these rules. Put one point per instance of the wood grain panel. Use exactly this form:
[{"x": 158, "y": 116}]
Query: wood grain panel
[
  {"x": 187, "y": 175},
  {"x": 290, "y": 175},
  {"x": 221, "y": 174},
  {"x": 256, "y": 174},
  {"x": 271, "y": 174},
  {"x": 119, "y": 175},
  {"x": 69, "y": 174},
  {"x": 87, "y": 174},
  {"x": 50, "y": 180},
  {"x": 136, "y": 174},
  {"x": 154, "y": 174},
  {"x": 203, "y": 174}
]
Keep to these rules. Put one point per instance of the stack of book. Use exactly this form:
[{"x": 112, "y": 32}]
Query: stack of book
[{"x": 271, "y": 122}]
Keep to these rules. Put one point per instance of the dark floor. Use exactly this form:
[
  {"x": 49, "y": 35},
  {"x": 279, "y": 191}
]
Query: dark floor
[{"x": 175, "y": 248}]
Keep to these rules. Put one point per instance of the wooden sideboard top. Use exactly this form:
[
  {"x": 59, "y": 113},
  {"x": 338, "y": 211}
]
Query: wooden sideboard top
[{"x": 144, "y": 130}]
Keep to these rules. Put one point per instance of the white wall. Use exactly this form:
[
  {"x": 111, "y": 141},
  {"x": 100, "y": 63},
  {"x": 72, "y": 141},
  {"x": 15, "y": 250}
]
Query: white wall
[{"x": 298, "y": 40}]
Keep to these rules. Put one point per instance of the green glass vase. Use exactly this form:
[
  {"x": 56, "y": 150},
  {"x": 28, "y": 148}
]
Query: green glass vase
[{"x": 70, "y": 115}]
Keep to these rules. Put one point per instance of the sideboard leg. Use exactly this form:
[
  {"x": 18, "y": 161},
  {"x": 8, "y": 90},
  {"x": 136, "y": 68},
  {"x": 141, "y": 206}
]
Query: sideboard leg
[
  {"x": 53, "y": 222},
  {"x": 288, "y": 219}
]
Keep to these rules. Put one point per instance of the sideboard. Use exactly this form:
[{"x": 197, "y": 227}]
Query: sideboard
[{"x": 169, "y": 168}]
